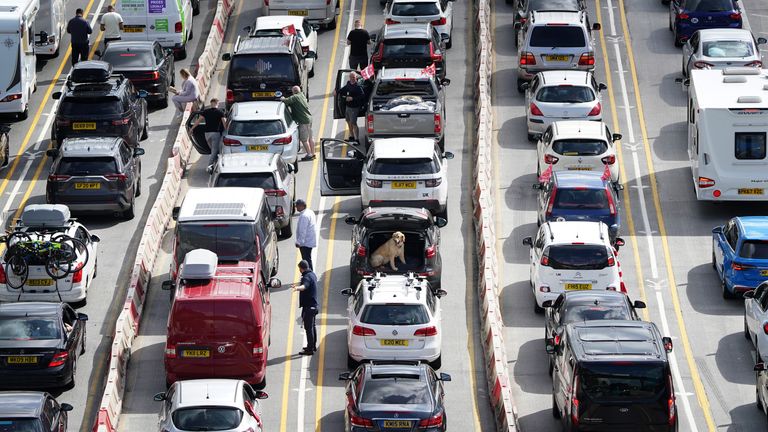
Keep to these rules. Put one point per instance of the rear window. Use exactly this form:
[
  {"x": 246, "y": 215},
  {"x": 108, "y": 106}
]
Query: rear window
[
  {"x": 86, "y": 107},
  {"x": 750, "y": 145},
  {"x": 581, "y": 199},
  {"x": 562, "y": 5},
  {"x": 409, "y": 48},
  {"x": 255, "y": 180},
  {"x": 709, "y": 5},
  {"x": 120, "y": 59},
  {"x": 395, "y": 391},
  {"x": 564, "y": 36},
  {"x": 231, "y": 242},
  {"x": 207, "y": 418},
  {"x": 592, "y": 312},
  {"x": 395, "y": 314},
  {"x": 26, "y": 328},
  {"x": 415, "y": 9},
  {"x": 403, "y": 166},
  {"x": 87, "y": 166},
  {"x": 577, "y": 257},
  {"x": 579, "y": 147},
  {"x": 623, "y": 380},
  {"x": 726, "y": 48},
  {"x": 754, "y": 249},
  {"x": 19, "y": 425},
  {"x": 213, "y": 317},
  {"x": 565, "y": 94},
  {"x": 405, "y": 87},
  {"x": 256, "y": 128},
  {"x": 262, "y": 68}
]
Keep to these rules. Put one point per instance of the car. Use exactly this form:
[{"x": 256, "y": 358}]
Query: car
[
  {"x": 210, "y": 404},
  {"x": 273, "y": 25},
  {"x": 439, "y": 13},
  {"x": 46, "y": 222},
  {"x": 394, "y": 317},
  {"x": 320, "y": 12},
  {"x": 95, "y": 174},
  {"x": 146, "y": 64},
  {"x": 579, "y": 196},
  {"x": 578, "y": 145},
  {"x": 555, "y": 41},
  {"x": 97, "y": 102},
  {"x": 525, "y": 7},
  {"x": 721, "y": 48},
  {"x": 32, "y": 411},
  {"x": 756, "y": 319},
  {"x": 561, "y": 95},
  {"x": 572, "y": 256},
  {"x": 409, "y": 46},
  {"x": 396, "y": 171},
  {"x": 40, "y": 342},
  {"x": 375, "y": 227},
  {"x": 261, "y": 170},
  {"x": 740, "y": 254},
  {"x": 761, "y": 386},
  {"x": 687, "y": 16},
  {"x": 395, "y": 396}
]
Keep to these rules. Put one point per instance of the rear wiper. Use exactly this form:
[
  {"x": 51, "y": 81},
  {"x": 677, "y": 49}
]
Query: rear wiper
[{"x": 573, "y": 101}]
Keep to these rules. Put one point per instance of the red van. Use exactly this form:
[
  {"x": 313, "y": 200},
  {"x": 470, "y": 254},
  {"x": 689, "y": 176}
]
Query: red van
[{"x": 219, "y": 323}]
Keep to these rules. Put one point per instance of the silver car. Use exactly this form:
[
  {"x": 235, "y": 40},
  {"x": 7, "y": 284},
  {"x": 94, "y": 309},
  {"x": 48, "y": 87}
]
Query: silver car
[
  {"x": 262, "y": 127},
  {"x": 721, "y": 48},
  {"x": 225, "y": 405},
  {"x": 756, "y": 319},
  {"x": 439, "y": 13}
]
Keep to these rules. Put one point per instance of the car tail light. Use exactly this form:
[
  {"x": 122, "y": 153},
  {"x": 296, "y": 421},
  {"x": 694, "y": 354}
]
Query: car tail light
[
  {"x": 170, "y": 351},
  {"x": 378, "y": 55},
  {"x": 118, "y": 177},
  {"x": 257, "y": 352},
  {"x": 756, "y": 63},
  {"x": 358, "y": 421},
  {"x": 121, "y": 122},
  {"x": 3, "y": 279},
  {"x": 11, "y": 97},
  {"x": 736, "y": 16},
  {"x": 230, "y": 96},
  {"x": 438, "y": 124},
  {"x": 361, "y": 251},
  {"x": 575, "y": 402},
  {"x": 78, "y": 276},
  {"x": 435, "y": 57},
  {"x": 611, "y": 204},
  {"x": 149, "y": 76},
  {"x": 535, "y": 110},
  {"x": 587, "y": 59},
  {"x": 363, "y": 331},
  {"x": 441, "y": 21},
  {"x": 391, "y": 21},
  {"x": 609, "y": 160},
  {"x": 266, "y": 2},
  {"x": 178, "y": 27},
  {"x": 551, "y": 203},
  {"x": 369, "y": 123},
  {"x": 430, "y": 252},
  {"x": 702, "y": 65},
  {"x": 55, "y": 177},
  {"x": 435, "y": 182},
  {"x": 705, "y": 182},
  {"x": 426, "y": 331},
  {"x": 276, "y": 192},
  {"x": 373, "y": 183},
  {"x": 683, "y": 16},
  {"x": 550, "y": 159},
  {"x": 527, "y": 59},
  {"x": 765, "y": 328},
  {"x": 671, "y": 404},
  {"x": 59, "y": 359},
  {"x": 544, "y": 288},
  {"x": 432, "y": 422},
  {"x": 596, "y": 110},
  {"x": 544, "y": 260},
  {"x": 231, "y": 142},
  {"x": 739, "y": 267}
]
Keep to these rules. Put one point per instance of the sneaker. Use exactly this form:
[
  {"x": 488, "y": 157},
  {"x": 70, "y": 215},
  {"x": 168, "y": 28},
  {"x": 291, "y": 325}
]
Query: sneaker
[
  {"x": 309, "y": 157},
  {"x": 307, "y": 352}
]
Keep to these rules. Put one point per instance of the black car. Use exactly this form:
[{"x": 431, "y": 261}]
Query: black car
[
  {"x": 398, "y": 396},
  {"x": 39, "y": 344},
  {"x": 23, "y": 411},
  {"x": 375, "y": 227},
  {"x": 146, "y": 64},
  {"x": 409, "y": 46},
  {"x": 97, "y": 102}
]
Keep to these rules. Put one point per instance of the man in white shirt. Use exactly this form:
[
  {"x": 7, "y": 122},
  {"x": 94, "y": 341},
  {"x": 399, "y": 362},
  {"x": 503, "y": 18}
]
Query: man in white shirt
[
  {"x": 306, "y": 237},
  {"x": 111, "y": 25}
]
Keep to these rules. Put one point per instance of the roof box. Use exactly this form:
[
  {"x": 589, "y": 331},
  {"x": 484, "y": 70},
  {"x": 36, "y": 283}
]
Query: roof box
[
  {"x": 45, "y": 215},
  {"x": 199, "y": 264},
  {"x": 91, "y": 71}
]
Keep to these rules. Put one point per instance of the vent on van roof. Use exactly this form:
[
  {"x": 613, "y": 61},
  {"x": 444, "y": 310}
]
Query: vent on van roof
[
  {"x": 219, "y": 209},
  {"x": 742, "y": 71},
  {"x": 734, "y": 79},
  {"x": 749, "y": 99},
  {"x": 199, "y": 264}
]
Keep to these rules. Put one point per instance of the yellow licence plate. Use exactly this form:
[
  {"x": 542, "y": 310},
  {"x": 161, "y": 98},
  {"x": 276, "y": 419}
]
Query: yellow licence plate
[
  {"x": 133, "y": 29},
  {"x": 763, "y": 272},
  {"x": 262, "y": 94},
  {"x": 557, "y": 57},
  {"x": 397, "y": 424},
  {"x": 39, "y": 282},
  {"x": 298, "y": 12},
  {"x": 403, "y": 185},
  {"x": 578, "y": 286},
  {"x": 258, "y": 147},
  {"x": 196, "y": 353},
  {"x": 750, "y": 191},
  {"x": 394, "y": 342},
  {"x": 84, "y": 126},
  {"x": 22, "y": 360},
  {"x": 87, "y": 185}
]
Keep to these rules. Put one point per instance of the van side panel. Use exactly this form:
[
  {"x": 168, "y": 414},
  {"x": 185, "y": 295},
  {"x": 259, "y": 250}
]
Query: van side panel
[
  {"x": 316, "y": 11},
  {"x": 153, "y": 21}
]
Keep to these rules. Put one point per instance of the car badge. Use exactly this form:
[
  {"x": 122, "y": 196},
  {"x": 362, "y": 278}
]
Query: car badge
[
  {"x": 694, "y": 20},
  {"x": 222, "y": 348},
  {"x": 578, "y": 274},
  {"x": 396, "y": 415},
  {"x": 262, "y": 86},
  {"x": 394, "y": 332},
  {"x": 8, "y": 42},
  {"x": 565, "y": 113},
  {"x": 580, "y": 159},
  {"x": 623, "y": 410}
]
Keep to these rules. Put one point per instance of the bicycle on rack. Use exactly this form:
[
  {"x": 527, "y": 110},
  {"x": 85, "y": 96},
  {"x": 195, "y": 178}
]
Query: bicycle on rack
[{"x": 58, "y": 254}]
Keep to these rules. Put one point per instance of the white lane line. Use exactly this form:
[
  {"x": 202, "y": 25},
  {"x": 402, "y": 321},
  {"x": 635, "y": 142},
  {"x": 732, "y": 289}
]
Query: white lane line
[{"x": 681, "y": 392}]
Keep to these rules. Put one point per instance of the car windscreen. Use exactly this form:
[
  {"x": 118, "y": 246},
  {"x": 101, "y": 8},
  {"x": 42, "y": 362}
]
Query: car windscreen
[
  {"x": 255, "y": 128},
  {"x": 623, "y": 380},
  {"x": 565, "y": 94},
  {"x": 579, "y": 147},
  {"x": 408, "y": 48},
  {"x": 230, "y": 241},
  {"x": 405, "y": 87},
  {"x": 120, "y": 59},
  {"x": 727, "y": 48},
  {"x": 396, "y": 391},
  {"x": 255, "y": 180},
  {"x": 29, "y": 328},
  {"x": 82, "y": 107},
  {"x": 216, "y": 418},
  {"x": 757, "y": 249},
  {"x": 415, "y": 166},
  {"x": 581, "y": 199},
  {"x": 269, "y": 67},
  {"x": 709, "y": 5},
  {"x": 19, "y": 425},
  {"x": 92, "y": 166},
  {"x": 558, "y": 36},
  {"x": 577, "y": 257},
  {"x": 415, "y": 9},
  {"x": 394, "y": 314},
  {"x": 560, "y": 5},
  {"x": 594, "y": 312}
]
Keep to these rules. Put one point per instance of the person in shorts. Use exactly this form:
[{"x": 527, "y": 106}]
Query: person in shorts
[
  {"x": 299, "y": 108},
  {"x": 358, "y": 41},
  {"x": 354, "y": 98}
]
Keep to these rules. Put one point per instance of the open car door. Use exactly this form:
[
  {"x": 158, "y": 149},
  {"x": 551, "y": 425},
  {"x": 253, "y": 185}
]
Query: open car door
[
  {"x": 196, "y": 134},
  {"x": 339, "y": 104},
  {"x": 342, "y": 167}
]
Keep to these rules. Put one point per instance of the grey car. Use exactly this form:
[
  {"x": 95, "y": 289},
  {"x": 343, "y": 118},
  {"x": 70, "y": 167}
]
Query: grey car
[
  {"x": 721, "y": 48},
  {"x": 32, "y": 411}
]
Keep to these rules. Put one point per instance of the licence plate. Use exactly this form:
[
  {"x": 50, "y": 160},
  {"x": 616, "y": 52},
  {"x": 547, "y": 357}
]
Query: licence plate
[
  {"x": 298, "y": 12},
  {"x": 39, "y": 282},
  {"x": 394, "y": 342},
  {"x": 196, "y": 353},
  {"x": 750, "y": 191},
  {"x": 87, "y": 185},
  {"x": 84, "y": 126},
  {"x": 763, "y": 272},
  {"x": 578, "y": 286},
  {"x": 403, "y": 185},
  {"x": 262, "y": 94},
  {"x": 560, "y": 58},
  {"x": 258, "y": 147},
  {"x": 579, "y": 168},
  {"x": 397, "y": 424},
  {"x": 133, "y": 29},
  {"x": 22, "y": 360}
]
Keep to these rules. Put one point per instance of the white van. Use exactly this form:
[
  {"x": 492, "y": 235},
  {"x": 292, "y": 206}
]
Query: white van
[
  {"x": 18, "y": 78},
  {"x": 50, "y": 24},
  {"x": 322, "y": 12},
  {"x": 166, "y": 21},
  {"x": 727, "y": 128}
]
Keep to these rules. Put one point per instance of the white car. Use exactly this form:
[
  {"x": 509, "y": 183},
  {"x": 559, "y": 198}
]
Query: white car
[
  {"x": 719, "y": 48},
  {"x": 262, "y": 126},
  {"x": 273, "y": 25},
  {"x": 439, "y": 13},
  {"x": 43, "y": 223},
  {"x": 572, "y": 256},
  {"x": 578, "y": 145},
  {"x": 322, "y": 12},
  {"x": 393, "y": 317},
  {"x": 210, "y": 404},
  {"x": 561, "y": 95},
  {"x": 756, "y": 319}
]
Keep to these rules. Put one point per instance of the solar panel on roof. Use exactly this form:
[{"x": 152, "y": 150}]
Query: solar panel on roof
[{"x": 219, "y": 209}]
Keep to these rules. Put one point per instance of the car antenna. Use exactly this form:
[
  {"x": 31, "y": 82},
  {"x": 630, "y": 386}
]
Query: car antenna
[
  {"x": 551, "y": 234},
  {"x": 599, "y": 228}
]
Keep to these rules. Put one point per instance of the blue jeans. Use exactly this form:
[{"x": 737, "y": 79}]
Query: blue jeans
[{"x": 214, "y": 142}]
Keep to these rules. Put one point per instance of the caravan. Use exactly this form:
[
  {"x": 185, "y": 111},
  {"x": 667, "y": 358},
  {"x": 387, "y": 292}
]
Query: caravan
[
  {"x": 18, "y": 78},
  {"x": 727, "y": 128},
  {"x": 50, "y": 24}
]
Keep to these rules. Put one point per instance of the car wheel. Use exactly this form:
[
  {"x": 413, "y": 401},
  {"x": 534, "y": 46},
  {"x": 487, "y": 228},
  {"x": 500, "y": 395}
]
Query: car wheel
[
  {"x": 144, "y": 131},
  {"x": 82, "y": 345},
  {"x": 555, "y": 411},
  {"x": 73, "y": 377},
  {"x": 671, "y": 27},
  {"x": 138, "y": 186},
  {"x": 262, "y": 385},
  {"x": 181, "y": 54},
  {"x": 536, "y": 308},
  {"x": 724, "y": 287},
  {"x": 196, "y": 8},
  {"x": 714, "y": 262},
  {"x": 520, "y": 88},
  {"x": 351, "y": 363},
  {"x": 747, "y": 336},
  {"x": 437, "y": 363},
  {"x": 331, "y": 25},
  {"x": 286, "y": 231},
  {"x": 95, "y": 269},
  {"x": 532, "y": 137},
  {"x": 163, "y": 103},
  {"x": 758, "y": 402},
  {"x": 449, "y": 44},
  {"x": 130, "y": 213},
  {"x": 24, "y": 114}
]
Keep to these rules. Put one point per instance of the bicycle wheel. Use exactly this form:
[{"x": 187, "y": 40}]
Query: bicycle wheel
[
  {"x": 70, "y": 248},
  {"x": 17, "y": 237},
  {"x": 16, "y": 271},
  {"x": 57, "y": 269}
]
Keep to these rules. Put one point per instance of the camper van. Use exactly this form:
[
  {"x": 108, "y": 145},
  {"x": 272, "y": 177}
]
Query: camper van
[
  {"x": 727, "y": 128},
  {"x": 18, "y": 78},
  {"x": 168, "y": 22},
  {"x": 50, "y": 25}
]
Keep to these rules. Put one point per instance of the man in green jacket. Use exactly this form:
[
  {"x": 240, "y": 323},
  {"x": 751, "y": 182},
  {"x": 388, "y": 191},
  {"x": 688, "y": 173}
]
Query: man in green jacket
[{"x": 299, "y": 108}]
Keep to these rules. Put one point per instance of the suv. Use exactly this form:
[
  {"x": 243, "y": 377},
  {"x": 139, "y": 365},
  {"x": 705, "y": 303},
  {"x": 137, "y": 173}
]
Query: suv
[
  {"x": 409, "y": 46},
  {"x": 393, "y": 317},
  {"x": 262, "y": 126},
  {"x": 147, "y": 64},
  {"x": 525, "y": 7},
  {"x": 95, "y": 175},
  {"x": 439, "y": 13},
  {"x": 613, "y": 375},
  {"x": 99, "y": 103},
  {"x": 553, "y": 41},
  {"x": 272, "y": 26},
  {"x": 578, "y": 145},
  {"x": 375, "y": 227},
  {"x": 265, "y": 68}
]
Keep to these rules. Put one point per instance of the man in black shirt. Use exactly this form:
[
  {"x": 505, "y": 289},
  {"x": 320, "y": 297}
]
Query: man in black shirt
[
  {"x": 79, "y": 29},
  {"x": 307, "y": 289},
  {"x": 215, "y": 120},
  {"x": 354, "y": 98},
  {"x": 358, "y": 40}
]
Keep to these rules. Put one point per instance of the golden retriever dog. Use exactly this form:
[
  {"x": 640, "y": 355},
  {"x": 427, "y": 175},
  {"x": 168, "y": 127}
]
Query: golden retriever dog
[{"x": 393, "y": 248}]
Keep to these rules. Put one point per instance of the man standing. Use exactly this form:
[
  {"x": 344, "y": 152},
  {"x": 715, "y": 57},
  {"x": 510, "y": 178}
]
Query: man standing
[
  {"x": 79, "y": 28},
  {"x": 354, "y": 96},
  {"x": 306, "y": 238},
  {"x": 358, "y": 41},
  {"x": 307, "y": 289},
  {"x": 299, "y": 107},
  {"x": 215, "y": 122},
  {"x": 111, "y": 25}
]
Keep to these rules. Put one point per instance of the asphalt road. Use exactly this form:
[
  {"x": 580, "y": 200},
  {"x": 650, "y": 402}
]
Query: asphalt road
[{"x": 304, "y": 392}]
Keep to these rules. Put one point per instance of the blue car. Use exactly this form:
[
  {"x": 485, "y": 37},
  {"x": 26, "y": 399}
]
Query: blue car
[
  {"x": 687, "y": 16},
  {"x": 740, "y": 254}
]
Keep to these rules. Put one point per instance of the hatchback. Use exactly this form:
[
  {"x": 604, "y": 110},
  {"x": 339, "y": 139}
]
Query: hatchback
[
  {"x": 578, "y": 145},
  {"x": 740, "y": 254},
  {"x": 687, "y": 16},
  {"x": 32, "y": 411},
  {"x": 721, "y": 48},
  {"x": 439, "y": 13},
  {"x": 146, "y": 64}
]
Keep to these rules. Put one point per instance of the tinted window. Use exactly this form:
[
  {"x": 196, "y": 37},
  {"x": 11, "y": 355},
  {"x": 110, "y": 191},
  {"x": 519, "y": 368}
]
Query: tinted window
[
  {"x": 87, "y": 166},
  {"x": 415, "y": 9},
  {"x": 267, "y": 33},
  {"x": 592, "y": 312},
  {"x": 234, "y": 318},
  {"x": 750, "y": 145},
  {"x": 728, "y": 49},
  {"x": 571, "y": 5},
  {"x": 231, "y": 242},
  {"x": 709, "y": 5},
  {"x": 578, "y": 257},
  {"x": 754, "y": 249},
  {"x": 256, "y": 180},
  {"x": 19, "y": 425},
  {"x": 621, "y": 381},
  {"x": 207, "y": 419},
  {"x": 121, "y": 59},
  {"x": 390, "y": 88},
  {"x": 565, "y": 93},
  {"x": 580, "y": 147},
  {"x": 403, "y": 166},
  {"x": 84, "y": 107},
  {"x": 396, "y": 48},
  {"x": 192, "y": 317},
  {"x": 394, "y": 314},
  {"x": 24, "y": 328},
  {"x": 400, "y": 391},
  {"x": 255, "y": 128},
  {"x": 262, "y": 68},
  {"x": 581, "y": 199},
  {"x": 558, "y": 36}
]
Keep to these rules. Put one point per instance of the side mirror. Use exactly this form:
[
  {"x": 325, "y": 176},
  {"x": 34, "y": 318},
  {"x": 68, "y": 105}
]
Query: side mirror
[
  {"x": 762, "y": 40},
  {"x": 441, "y": 293},
  {"x": 261, "y": 394},
  {"x": 226, "y": 56},
  {"x": 601, "y": 87},
  {"x": 616, "y": 137},
  {"x": 56, "y": 95},
  {"x": 528, "y": 241},
  {"x": 444, "y": 37},
  {"x": 667, "y": 343},
  {"x": 639, "y": 304},
  {"x": 159, "y": 397},
  {"x": 547, "y": 304},
  {"x": 596, "y": 27},
  {"x": 138, "y": 151},
  {"x": 444, "y": 377},
  {"x": 52, "y": 152},
  {"x": 749, "y": 294},
  {"x": 525, "y": 86},
  {"x": 618, "y": 187},
  {"x": 350, "y": 220},
  {"x": 346, "y": 292},
  {"x": 290, "y": 168},
  {"x": 440, "y": 222},
  {"x": 619, "y": 242},
  {"x": 95, "y": 238},
  {"x": 448, "y": 155},
  {"x": 344, "y": 376},
  {"x": 66, "y": 407},
  {"x": 143, "y": 93},
  {"x": 168, "y": 285},
  {"x": 247, "y": 29},
  {"x": 275, "y": 283},
  {"x": 717, "y": 230},
  {"x": 445, "y": 82},
  {"x": 97, "y": 52},
  {"x": 175, "y": 212},
  {"x": 758, "y": 368},
  {"x": 82, "y": 317}
]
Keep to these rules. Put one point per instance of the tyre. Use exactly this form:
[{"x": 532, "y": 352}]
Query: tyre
[
  {"x": 287, "y": 231},
  {"x": 449, "y": 44},
  {"x": 714, "y": 262},
  {"x": 351, "y": 363},
  {"x": 758, "y": 402},
  {"x": 163, "y": 103},
  {"x": 196, "y": 8},
  {"x": 7, "y": 153},
  {"x": 262, "y": 385},
  {"x": 73, "y": 377},
  {"x": 182, "y": 54},
  {"x": 555, "y": 410},
  {"x": 724, "y": 287},
  {"x": 536, "y": 308},
  {"x": 130, "y": 212},
  {"x": 520, "y": 88},
  {"x": 16, "y": 271},
  {"x": 437, "y": 363},
  {"x": 331, "y": 25},
  {"x": 532, "y": 137},
  {"x": 24, "y": 114},
  {"x": 138, "y": 186},
  {"x": 144, "y": 131}
]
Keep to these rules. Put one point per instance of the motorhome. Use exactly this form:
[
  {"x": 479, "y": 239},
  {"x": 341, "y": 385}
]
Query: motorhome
[
  {"x": 727, "y": 128},
  {"x": 50, "y": 25},
  {"x": 18, "y": 78}
]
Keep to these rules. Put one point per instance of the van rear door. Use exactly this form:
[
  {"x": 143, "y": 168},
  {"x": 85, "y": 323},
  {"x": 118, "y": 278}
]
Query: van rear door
[
  {"x": 235, "y": 336},
  {"x": 190, "y": 331},
  {"x": 135, "y": 24}
]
